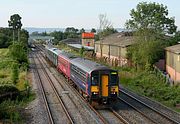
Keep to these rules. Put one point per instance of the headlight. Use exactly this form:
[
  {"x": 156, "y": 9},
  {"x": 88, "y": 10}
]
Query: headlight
[
  {"x": 95, "y": 93},
  {"x": 114, "y": 89}
]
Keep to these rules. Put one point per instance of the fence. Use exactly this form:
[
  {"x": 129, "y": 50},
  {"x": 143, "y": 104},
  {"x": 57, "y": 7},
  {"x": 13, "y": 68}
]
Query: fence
[{"x": 163, "y": 76}]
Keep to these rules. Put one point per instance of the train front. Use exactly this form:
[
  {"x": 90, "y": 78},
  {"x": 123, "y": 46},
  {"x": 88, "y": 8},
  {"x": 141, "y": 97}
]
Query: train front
[{"x": 104, "y": 86}]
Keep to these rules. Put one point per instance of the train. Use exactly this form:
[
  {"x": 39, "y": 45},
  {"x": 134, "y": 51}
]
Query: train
[{"x": 96, "y": 82}]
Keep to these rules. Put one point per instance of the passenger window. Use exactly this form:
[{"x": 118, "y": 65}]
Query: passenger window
[
  {"x": 95, "y": 80},
  {"x": 114, "y": 78}
]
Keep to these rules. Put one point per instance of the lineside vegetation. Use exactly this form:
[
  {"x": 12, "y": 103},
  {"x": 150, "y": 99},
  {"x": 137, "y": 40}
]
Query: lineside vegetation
[{"x": 14, "y": 86}]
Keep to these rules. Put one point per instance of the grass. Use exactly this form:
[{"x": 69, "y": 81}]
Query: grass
[
  {"x": 152, "y": 86},
  {"x": 5, "y": 70},
  {"x": 9, "y": 109},
  {"x": 21, "y": 83},
  {"x": 3, "y": 53}
]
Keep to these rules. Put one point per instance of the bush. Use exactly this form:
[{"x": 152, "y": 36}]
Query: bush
[
  {"x": 150, "y": 85},
  {"x": 7, "y": 87},
  {"x": 18, "y": 52},
  {"x": 15, "y": 72},
  {"x": 8, "y": 110}
]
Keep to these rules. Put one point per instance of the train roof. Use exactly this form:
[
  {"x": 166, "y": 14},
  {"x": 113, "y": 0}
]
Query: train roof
[
  {"x": 67, "y": 55},
  {"x": 55, "y": 50},
  {"x": 87, "y": 65}
]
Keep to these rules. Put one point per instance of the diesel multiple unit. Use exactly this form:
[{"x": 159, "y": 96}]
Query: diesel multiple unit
[{"x": 96, "y": 82}]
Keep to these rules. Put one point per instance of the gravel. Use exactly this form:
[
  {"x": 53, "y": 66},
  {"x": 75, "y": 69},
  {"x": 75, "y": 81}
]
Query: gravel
[
  {"x": 147, "y": 111},
  {"x": 131, "y": 115},
  {"x": 35, "y": 112},
  {"x": 156, "y": 105}
]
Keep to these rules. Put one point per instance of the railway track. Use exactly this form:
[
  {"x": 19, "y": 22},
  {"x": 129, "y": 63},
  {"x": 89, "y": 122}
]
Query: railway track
[
  {"x": 147, "y": 111},
  {"x": 52, "y": 108},
  {"x": 51, "y": 121},
  {"x": 156, "y": 105},
  {"x": 103, "y": 116},
  {"x": 77, "y": 107},
  {"x": 111, "y": 116},
  {"x": 56, "y": 93},
  {"x": 76, "y": 92}
]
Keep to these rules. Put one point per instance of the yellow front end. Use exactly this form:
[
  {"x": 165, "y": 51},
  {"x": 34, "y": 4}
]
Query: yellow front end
[{"x": 94, "y": 90}]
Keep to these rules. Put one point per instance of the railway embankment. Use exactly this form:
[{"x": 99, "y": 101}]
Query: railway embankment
[{"x": 15, "y": 91}]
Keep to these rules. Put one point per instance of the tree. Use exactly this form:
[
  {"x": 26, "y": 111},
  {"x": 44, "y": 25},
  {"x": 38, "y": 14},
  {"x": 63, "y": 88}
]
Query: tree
[
  {"x": 35, "y": 33},
  {"x": 3, "y": 39},
  {"x": 81, "y": 51},
  {"x": 24, "y": 37},
  {"x": 15, "y": 24},
  {"x": 150, "y": 23},
  {"x": 17, "y": 52},
  {"x": 44, "y": 33},
  {"x": 93, "y": 30},
  {"x": 58, "y": 36},
  {"x": 104, "y": 22},
  {"x": 174, "y": 40},
  {"x": 71, "y": 32},
  {"x": 151, "y": 16},
  {"x": 82, "y": 31},
  {"x": 6, "y": 37},
  {"x": 15, "y": 72},
  {"x": 145, "y": 54},
  {"x": 105, "y": 29}
]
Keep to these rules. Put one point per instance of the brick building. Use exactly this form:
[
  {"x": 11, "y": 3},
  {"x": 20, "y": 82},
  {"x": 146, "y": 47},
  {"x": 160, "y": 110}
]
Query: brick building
[
  {"x": 88, "y": 39},
  {"x": 114, "y": 47},
  {"x": 173, "y": 62}
]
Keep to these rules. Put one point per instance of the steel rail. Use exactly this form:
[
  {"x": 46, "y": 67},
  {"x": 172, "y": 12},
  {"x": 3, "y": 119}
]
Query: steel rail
[
  {"x": 56, "y": 92},
  {"x": 161, "y": 114},
  {"x": 51, "y": 121}
]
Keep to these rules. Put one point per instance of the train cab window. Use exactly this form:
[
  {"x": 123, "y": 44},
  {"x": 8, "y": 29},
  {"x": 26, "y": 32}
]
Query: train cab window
[
  {"x": 95, "y": 79},
  {"x": 114, "y": 77}
]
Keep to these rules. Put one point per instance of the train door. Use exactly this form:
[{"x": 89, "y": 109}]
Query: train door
[{"x": 104, "y": 84}]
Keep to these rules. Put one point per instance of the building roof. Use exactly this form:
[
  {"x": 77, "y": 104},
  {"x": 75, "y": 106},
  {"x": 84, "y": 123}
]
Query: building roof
[
  {"x": 79, "y": 46},
  {"x": 119, "y": 39},
  {"x": 88, "y": 35},
  {"x": 71, "y": 41},
  {"x": 175, "y": 49},
  {"x": 41, "y": 37}
]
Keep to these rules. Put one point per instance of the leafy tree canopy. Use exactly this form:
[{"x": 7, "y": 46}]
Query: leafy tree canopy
[
  {"x": 58, "y": 35},
  {"x": 150, "y": 22},
  {"x": 82, "y": 31},
  {"x": 71, "y": 32},
  {"x": 18, "y": 52},
  {"x": 151, "y": 16},
  {"x": 105, "y": 26},
  {"x": 6, "y": 36},
  {"x": 15, "y": 22},
  {"x": 93, "y": 30},
  {"x": 174, "y": 39}
]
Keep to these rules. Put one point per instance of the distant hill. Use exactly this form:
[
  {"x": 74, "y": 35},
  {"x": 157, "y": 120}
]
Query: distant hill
[
  {"x": 48, "y": 30},
  {"x": 40, "y": 30}
]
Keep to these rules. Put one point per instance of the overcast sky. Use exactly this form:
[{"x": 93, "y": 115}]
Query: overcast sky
[{"x": 76, "y": 13}]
